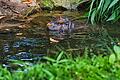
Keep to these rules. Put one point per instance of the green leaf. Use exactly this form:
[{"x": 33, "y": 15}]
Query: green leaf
[
  {"x": 48, "y": 3},
  {"x": 112, "y": 17},
  {"x": 100, "y": 4},
  {"x": 106, "y": 5},
  {"x": 49, "y": 74},
  {"x": 109, "y": 49},
  {"x": 86, "y": 52},
  {"x": 112, "y": 58},
  {"x": 49, "y": 59},
  {"x": 91, "y": 7},
  {"x": 60, "y": 56},
  {"x": 93, "y": 17},
  {"x": 63, "y": 61},
  {"x": 117, "y": 51},
  {"x": 113, "y": 3}
]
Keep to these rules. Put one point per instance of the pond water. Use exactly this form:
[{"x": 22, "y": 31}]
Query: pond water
[{"x": 34, "y": 42}]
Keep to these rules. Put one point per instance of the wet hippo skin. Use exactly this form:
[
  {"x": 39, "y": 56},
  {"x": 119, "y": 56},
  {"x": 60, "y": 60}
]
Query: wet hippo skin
[{"x": 60, "y": 27}]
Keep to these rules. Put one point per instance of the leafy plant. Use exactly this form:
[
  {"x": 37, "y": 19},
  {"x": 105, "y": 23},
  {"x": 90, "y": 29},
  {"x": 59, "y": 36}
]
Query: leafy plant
[
  {"x": 104, "y": 10},
  {"x": 114, "y": 55},
  {"x": 79, "y": 68},
  {"x": 112, "y": 58},
  {"x": 47, "y": 3},
  {"x": 58, "y": 59},
  {"x": 117, "y": 51}
]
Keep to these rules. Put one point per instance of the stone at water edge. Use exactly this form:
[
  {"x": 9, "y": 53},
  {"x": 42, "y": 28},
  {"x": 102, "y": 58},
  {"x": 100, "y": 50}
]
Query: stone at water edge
[{"x": 11, "y": 7}]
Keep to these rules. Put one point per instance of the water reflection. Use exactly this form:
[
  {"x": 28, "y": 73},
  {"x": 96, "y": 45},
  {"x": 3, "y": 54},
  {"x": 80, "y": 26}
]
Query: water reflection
[
  {"x": 32, "y": 43},
  {"x": 22, "y": 48}
]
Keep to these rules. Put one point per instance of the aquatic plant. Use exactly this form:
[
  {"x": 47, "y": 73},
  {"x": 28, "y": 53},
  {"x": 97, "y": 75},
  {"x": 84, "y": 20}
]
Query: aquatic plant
[{"x": 104, "y": 11}]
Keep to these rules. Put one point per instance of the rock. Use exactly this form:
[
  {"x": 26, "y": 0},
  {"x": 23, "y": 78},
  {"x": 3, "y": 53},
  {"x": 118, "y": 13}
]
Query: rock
[
  {"x": 10, "y": 8},
  {"x": 69, "y": 4}
]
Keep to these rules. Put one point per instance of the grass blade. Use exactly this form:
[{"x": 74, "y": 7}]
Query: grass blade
[
  {"x": 60, "y": 56},
  {"x": 113, "y": 3},
  {"x": 106, "y": 5},
  {"x": 49, "y": 59},
  {"x": 91, "y": 7},
  {"x": 93, "y": 17}
]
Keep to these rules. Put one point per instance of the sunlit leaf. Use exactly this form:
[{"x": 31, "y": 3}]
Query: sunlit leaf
[
  {"x": 49, "y": 74},
  {"x": 93, "y": 17},
  {"x": 113, "y": 3},
  {"x": 117, "y": 51},
  {"x": 112, "y": 58},
  {"x": 100, "y": 4},
  {"x": 64, "y": 61},
  {"x": 106, "y": 5},
  {"x": 112, "y": 17},
  {"x": 91, "y": 7}
]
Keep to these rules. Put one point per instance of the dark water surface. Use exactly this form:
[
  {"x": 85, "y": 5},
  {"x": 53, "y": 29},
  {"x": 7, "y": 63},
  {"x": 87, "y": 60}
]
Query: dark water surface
[{"x": 33, "y": 43}]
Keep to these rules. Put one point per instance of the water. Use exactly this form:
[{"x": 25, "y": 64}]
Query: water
[
  {"x": 11, "y": 44},
  {"x": 32, "y": 43}
]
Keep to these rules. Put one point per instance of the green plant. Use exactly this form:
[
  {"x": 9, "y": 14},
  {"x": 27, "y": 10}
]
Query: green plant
[
  {"x": 104, "y": 10},
  {"x": 79, "y": 68},
  {"x": 115, "y": 55},
  {"x": 117, "y": 51},
  {"x": 58, "y": 59},
  {"x": 47, "y": 3}
]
